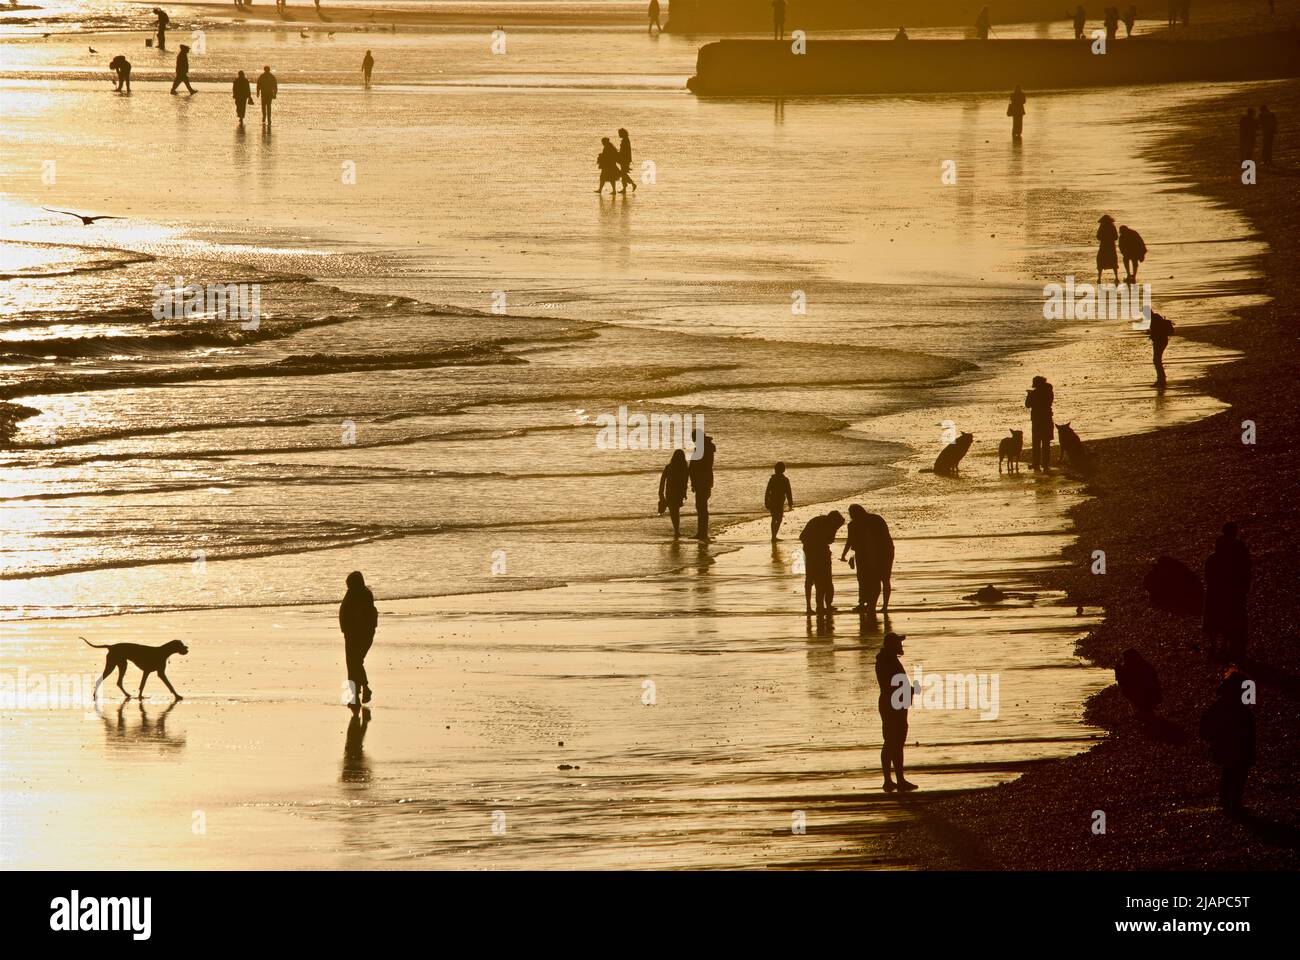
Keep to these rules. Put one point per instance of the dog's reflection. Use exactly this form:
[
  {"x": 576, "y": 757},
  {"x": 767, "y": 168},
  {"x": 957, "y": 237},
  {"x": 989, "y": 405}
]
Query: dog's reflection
[
  {"x": 356, "y": 769},
  {"x": 151, "y": 727}
]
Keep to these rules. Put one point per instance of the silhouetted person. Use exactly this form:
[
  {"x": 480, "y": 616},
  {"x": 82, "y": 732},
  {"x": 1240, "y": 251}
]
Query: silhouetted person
[
  {"x": 902, "y": 34},
  {"x": 607, "y": 161},
  {"x": 982, "y": 25},
  {"x": 1038, "y": 400},
  {"x": 777, "y": 496},
  {"x": 121, "y": 68},
  {"x": 1159, "y": 331},
  {"x": 653, "y": 14},
  {"x": 1107, "y": 256},
  {"x": 1111, "y": 22},
  {"x": 891, "y": 677},
  {"x": 267, "y": 88},
  {"x": 1173, "y": 14},
  {"x": 701, "y": 472},
  {"x": 367, "y": 67},
  {"x": 358, "y": 619},
  {"x": 1139, "y": 683},
  {"x": 1080, "y": 20},
  {"x": 243, "y": 94},
  {"x": 817, "y": 536},
  {"x": 1134, "y": 250},
  {"x": 1246, "y": 134},
  {"x": 182, "y": 70},
  {"x": 625, "y": 160},
  {"x": 1227, "y": 590},
  {"x": 1016, "y": 111},
  {"x": 1130, "y": 18},
  {"x": 778, "y": 19},
  {"x": 672, "y": 489},
  {"x": 1185, "y": 11},
  {"x": 1267, "y": 129},
  {"x": 873, "y": 556},
  {"x": 1229, "y": 727},
  {"x": 163, "y": 20}
]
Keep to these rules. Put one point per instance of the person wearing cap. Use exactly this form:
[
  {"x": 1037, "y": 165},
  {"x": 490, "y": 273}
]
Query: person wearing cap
[
  {"x": 895, "y": 697},
  {"x": 817, "y": 536}
]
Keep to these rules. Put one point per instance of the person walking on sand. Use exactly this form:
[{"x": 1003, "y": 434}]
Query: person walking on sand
[
  {"x": 1039, "y": 400},
  {"x": 243, "y": 95},
  {"x": 163, "y": 20},
  {"x": 778, "y": 19},
  {"x": 1134, "y": 251},
  {"x": 625, "y": 160},
  {"x": 982, "y": 24},
  {"x": 1159, "y": 331},
  {"x": 1130, "y": 18},
  {"x": 1229, "y": 727},
  {"x": 182, "y": 70},
  {"x": 653, "y": 14},
  {"x": 1227, "y": 591},
  {"x": 1246, "y": 128},
  {"x": 701, "y": 473},
  {"x": 358, "y": 619},
  {"x": 672, "y": 489},
  {"x": 873, "y": 557},
  {"x": 895, "y": 698},
  {"x": 817, "y": 536},
  {"x": 1080, "y": 20},
  {"x": 1267, "y": 130},
  {"x": 607, "y": 161},
  {"x": 777, "y": 496},
  {"x": 121, "y": 68},
  {"x": 367, "y": 67},
  {"x": 267, "y": 88},
  {"x": 1107, "y": 257},
  {"x": 1016, "y": 111}
]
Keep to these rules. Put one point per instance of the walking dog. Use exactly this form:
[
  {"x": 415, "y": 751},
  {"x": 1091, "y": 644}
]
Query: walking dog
[{"x": 148, "y": 659}]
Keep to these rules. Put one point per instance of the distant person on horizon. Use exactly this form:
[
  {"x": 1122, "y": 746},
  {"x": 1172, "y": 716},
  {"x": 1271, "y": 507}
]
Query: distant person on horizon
[
  {"x": 902, "y": 34},
  {"x": 163, "y": 20},
  {"x": 1107, "y": 256},
  {"x": 873, "y": 557},
  {"x": 1246, "y": 134},
  {"x": 1134, "y": 251},
  {"x": 778, "y": 19},
  {"x": 1267, "y": 129},
  {"x": 367, "y": 67},
  {"x": 777, "y": 496},
  {"x": 267, "y": 88},
  {"x": 1229, "y": 727},
  {"x": 1159, "y": 331},
  {"x": 672, "y": 489},
  {"x": 1080, "y": 20},
  {"x": 182, "y": 70},
  {"x": 1173, "y": 14},
  {"x": 607, "y": 161},
  {"x": 1111, "y": 22},
  {"x": 121, "y": 68},
  {"x": 893, "y": 704},
  {"x": 1039, "y": 399},
  {"x": 701, "y": 473},
  {"x": 243, "y": 94},
  {"x": 1130, "y": 18},
  {"x": 1227, "y": 590},
  {"x": 358, "y": 619},
  {"x": 1185, "y": 10},
  {"x": 817, "y": 536},
  {"x": 653, "y": 13},
  {"x": 625, "y": 160},
  {"x": 982, "y": 25},
  {"x": 1016, "y": 111}
]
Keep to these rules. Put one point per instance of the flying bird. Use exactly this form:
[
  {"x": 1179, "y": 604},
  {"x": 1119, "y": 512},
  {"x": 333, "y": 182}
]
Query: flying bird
[{"x": 85, "y": 220}]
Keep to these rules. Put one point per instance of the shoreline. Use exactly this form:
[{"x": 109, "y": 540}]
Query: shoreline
[{"x": 1167, "y": 493}]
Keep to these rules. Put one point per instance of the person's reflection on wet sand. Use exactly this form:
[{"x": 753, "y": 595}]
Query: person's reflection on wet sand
[{"x": 356, "y": 769}]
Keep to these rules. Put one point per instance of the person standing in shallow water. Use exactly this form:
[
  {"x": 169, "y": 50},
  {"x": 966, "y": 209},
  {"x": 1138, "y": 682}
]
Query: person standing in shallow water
[
  {"x": 895, "y": 697},
  {"x": 267, "y": 88},
  {"x": 367, "y": 67},
  {"x": 873, "y": 557},
  {"x": 778, "y": 19},
  {"x": 1038, "y": 399},
  {"x": 1016, "y": 111},
  {"x": 817, "y": 536},
  {"x": 777, "y": 496},
  {"x": 121, "y": 68},
  {"x": 701, "y": 472},
  {"x": 1159, "y": 331},
  {"x": 1107, "y": 255},
  {"x": 673, "y": 482},
  {"x": 358, "y": 619},
  {"x": 243, "y": 94}
]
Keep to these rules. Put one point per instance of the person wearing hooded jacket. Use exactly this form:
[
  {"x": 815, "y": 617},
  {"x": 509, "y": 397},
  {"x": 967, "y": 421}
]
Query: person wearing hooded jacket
[{"x": 358, "y": 619}]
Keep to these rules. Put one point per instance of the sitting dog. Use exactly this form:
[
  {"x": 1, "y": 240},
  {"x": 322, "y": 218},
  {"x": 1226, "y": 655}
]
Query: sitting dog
[
  {"x": 148, "y": 659},
  {"x": 1072, "y": 449},
  {"x": 950, "y": 456},
  {"x": 1009, "y": 448}
]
